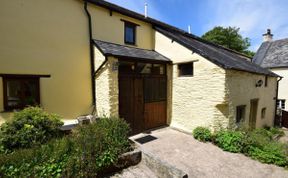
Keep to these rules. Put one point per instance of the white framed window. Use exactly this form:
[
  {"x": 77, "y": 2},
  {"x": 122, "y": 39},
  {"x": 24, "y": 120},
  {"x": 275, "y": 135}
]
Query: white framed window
[{"x": 281, "y": 103}]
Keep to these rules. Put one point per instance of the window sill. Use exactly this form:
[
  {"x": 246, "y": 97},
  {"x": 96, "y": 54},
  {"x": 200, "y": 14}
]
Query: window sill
[
  {"x": 185, "y": 76},
  {"x": 130, "y": 44}
]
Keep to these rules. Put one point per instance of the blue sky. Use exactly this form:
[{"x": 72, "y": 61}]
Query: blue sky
[{"x": 252, "y": 16}]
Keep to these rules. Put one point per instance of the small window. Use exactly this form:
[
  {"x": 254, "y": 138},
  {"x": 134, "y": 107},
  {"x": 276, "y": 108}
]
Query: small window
[
  {"x": 266, "y": 81},
  {"x": 281, "y": 104},
  {"x": 130, "y": 33},
  {"x": 126, "y": 67},
  {"x": 155, "y": 89},
  {"x": 263, "y": 113},
  {"x": 144, "y": 68},
  {"x": 20, "y": 92},
  {"x": 240, "y": 113},
  {"x": 158, "y": 69},
  {"x": 185, "y": 69}
]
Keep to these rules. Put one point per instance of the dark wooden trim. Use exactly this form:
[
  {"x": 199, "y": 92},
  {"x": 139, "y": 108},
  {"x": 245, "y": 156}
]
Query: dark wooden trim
[
  {"x": 129, "y": 22},
  {"x": 137, "y": 59},
  {"x": 25, "y": 76},
  {"x": 4, "y": 94}
]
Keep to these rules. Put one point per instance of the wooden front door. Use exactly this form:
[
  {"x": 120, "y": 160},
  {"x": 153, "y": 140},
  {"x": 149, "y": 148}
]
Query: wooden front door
[
  {"x": 284, "y": 118},
  {"x": 142, "y": 98},
  {"x": 253, "y": 113},
  {"x": 131, "y": 105}
]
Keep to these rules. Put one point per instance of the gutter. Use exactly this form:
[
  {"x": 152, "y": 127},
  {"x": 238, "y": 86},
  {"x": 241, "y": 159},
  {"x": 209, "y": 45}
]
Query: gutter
[
  {"x": 276, "y": 99},
  {"x": 91, "y": 55}
]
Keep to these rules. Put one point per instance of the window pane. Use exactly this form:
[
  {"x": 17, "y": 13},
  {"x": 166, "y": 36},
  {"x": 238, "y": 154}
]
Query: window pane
[
  {"x": 144, "y": 68},
  {"x": 126, "y": 67},
  {"x": 240, "y": 113},
  {"x": 13, "y": 93},
  {"x": 263, "y": 113},
  {"x": 158, "y": 69},
  {"x": 21, "y": 93},
  {"x": 155, "y": 89},
  {"x": 129, "y": 34},
  {"x": 185, "y": 69}
]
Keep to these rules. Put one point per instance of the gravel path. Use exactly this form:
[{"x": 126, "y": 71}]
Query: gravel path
[{"x": 205, "y": 159}]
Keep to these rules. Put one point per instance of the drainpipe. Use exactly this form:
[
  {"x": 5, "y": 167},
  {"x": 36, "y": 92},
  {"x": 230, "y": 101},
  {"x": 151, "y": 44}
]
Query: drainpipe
[
  {"x": 91, "y": 55},
  {"x": 277, "y": 98}
]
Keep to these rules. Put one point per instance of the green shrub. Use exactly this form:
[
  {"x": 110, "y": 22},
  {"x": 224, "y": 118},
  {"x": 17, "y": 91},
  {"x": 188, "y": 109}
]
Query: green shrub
[
  {"x": 232, "y": 141},
  {"x": 29, "y": 127},
  {"x": 45, "y": 161},
  {"x": 85, "y": 153},
  {"x": 261, "y": 145},
  {"x": 202, "y": 134},
  {"x": 272, "y": 153},
  {"x": 98, "y": 146}
]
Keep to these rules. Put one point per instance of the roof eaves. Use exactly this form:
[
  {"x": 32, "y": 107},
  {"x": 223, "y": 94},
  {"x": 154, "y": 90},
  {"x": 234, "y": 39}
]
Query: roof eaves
[
  {"x": 201, "y": 53},
  {"x": 98, "y": 47}
]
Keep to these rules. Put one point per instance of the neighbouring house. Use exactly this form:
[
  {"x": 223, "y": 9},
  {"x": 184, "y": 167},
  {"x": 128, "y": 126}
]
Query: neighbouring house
[
  {"x": 77, "y": 57},
  {"x": 273, "y": 55}
]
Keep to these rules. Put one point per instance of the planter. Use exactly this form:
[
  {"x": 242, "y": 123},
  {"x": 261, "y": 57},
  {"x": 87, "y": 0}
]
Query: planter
[{"x": 125, "y": 160}]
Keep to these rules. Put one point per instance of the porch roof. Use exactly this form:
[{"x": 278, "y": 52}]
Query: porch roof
[{"x": 112, "y": 49}]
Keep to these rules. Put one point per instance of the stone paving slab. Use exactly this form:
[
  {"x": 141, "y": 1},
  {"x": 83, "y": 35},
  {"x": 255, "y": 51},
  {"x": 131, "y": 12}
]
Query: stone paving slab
[
  {"x": 199, "y": 159},
  {"x": 138, "y": 171}
]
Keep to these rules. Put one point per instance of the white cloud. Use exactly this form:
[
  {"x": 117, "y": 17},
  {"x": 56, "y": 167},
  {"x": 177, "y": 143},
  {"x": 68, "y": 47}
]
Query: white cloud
[{"x": 252, "y": 16}]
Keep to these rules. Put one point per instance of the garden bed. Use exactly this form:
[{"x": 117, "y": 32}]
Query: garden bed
[
  {"x": 89, "y": 151},
  {"x": 259, "y": 144}
]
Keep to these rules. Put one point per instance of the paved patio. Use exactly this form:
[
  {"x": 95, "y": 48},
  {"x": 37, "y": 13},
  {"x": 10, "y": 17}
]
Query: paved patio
[{"x": 204, "y": 159}]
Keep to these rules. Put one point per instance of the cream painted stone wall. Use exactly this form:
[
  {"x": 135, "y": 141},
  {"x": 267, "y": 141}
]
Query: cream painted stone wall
[
  {"x": 111, "y": 28},
  {"x": 283, "y": 84},
  {"x": 107, "y": 88},
  {"x": 197, "y": 100},
  {"x": 48, "y": 37},
  {"x": 241, "y": 89}
]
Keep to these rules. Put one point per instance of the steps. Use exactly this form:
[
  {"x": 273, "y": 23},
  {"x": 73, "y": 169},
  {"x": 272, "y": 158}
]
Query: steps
[{"x": 138, "y": 171}]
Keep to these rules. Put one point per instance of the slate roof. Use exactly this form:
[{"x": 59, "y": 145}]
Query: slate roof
[
  {"x": 221, "y": 56},
  {"x": 216, "y": 54},
  {"x": 272, "y": 54},
  {"x": 112, "y": 49}
]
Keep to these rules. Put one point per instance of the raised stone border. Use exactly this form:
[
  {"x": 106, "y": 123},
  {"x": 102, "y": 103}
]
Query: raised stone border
[
  {"x": 125, "y": 160},
  {"x": 161, "y": 168}
]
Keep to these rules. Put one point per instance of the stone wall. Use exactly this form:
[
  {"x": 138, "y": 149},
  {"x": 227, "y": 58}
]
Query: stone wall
[
  {"x": 106, "y": 86},
  {"x": 283, "y": 84},
  {"x": 197, "y": 100},
  {"x": 240, "y": 88}
]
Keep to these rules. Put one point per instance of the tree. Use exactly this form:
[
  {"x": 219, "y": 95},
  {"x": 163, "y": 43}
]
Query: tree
[{"x": 230, "y": 38}]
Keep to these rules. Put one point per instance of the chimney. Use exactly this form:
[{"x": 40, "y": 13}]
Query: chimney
[
  {"x": 146, "y": 10},
  {"x": 268, "y": 36},
  {"x": 189, "y": 29}
]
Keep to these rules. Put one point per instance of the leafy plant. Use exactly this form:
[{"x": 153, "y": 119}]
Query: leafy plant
[
  {"x": 202, "y": 134},
  {"x": 45, "y": 161},
  {"x": 85, "y": 153},
  {"x": 272, "y": 153},
  {"x": 29, "y": 127},
  {"x": 232, "y": 141},
  {"x": 98, "y": 146}
]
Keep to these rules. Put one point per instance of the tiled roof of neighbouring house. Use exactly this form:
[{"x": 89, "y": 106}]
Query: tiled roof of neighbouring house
[
  {"x": 272, "y": 54},
  {"x": 221, "y": 56},
  {"x": 117, "y": 50}
]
